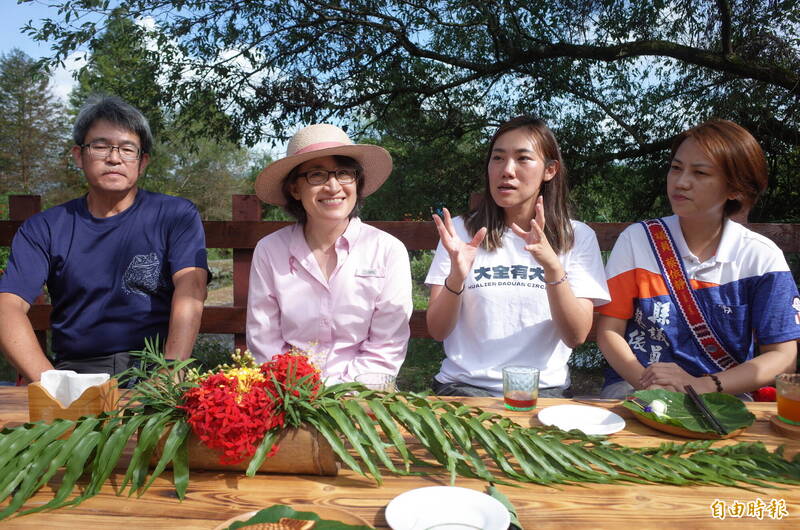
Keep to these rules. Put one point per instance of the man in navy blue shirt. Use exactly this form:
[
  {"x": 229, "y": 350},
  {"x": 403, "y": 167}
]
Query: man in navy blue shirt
[{"x": 121, "y": 264}]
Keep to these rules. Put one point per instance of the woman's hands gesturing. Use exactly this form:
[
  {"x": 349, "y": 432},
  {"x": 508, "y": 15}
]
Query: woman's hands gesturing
[
  {"x": 461, "y": 254},
  {"x": 445, "y": 302},
  {"x": 536, "y": 241}
]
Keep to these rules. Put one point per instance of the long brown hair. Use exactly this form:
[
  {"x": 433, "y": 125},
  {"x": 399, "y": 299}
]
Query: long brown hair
[
  {"x": 554, "y": 192},
  {"x": 734, "y": 150}
]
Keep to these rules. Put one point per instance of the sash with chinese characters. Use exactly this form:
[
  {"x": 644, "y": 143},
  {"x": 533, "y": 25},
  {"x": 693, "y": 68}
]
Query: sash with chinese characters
[{"x": 683, "y": 295}]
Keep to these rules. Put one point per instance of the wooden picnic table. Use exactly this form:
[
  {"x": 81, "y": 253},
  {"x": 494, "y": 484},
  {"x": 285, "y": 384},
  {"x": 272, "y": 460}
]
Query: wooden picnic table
[{"x": 216, "y": 496}]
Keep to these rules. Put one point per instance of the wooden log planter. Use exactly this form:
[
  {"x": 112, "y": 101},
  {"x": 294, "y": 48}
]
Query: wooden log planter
[{"x": 302, "y": 451}]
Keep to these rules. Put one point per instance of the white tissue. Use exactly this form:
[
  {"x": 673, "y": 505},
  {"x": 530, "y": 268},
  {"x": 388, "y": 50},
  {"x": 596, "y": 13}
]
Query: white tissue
[{"x": 67, "y": 386}]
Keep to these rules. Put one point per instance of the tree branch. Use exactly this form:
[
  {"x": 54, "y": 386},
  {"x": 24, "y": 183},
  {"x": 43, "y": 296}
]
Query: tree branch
[
  {"x": 725, "y": 27},
  {"x": 733, "y": 65},
  {"x": 736, "y": 66},
  {"x": 609, "y": 112}
]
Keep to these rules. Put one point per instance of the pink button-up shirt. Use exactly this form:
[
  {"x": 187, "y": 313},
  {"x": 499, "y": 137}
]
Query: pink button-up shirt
[{"x": 354, "y": 322}]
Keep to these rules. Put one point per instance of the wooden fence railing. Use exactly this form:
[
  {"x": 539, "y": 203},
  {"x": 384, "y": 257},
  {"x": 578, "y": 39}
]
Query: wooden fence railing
[{"x": 246, "y": 228}]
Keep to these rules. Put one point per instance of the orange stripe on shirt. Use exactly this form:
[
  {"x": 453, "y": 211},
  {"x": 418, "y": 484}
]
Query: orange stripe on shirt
[{"x": 637, "y": 283}]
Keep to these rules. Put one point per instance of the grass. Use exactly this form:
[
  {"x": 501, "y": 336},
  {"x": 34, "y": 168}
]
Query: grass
[
  {"x": 420, "y": 263},
  {"x": 422, "y": 362}
]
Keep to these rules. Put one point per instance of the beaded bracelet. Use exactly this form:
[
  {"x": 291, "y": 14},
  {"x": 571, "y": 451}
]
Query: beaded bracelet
[
  {"x": 562, "y": 280},
  {"x": 457, "y": 293},
  {"x": 716, "y": 381}
]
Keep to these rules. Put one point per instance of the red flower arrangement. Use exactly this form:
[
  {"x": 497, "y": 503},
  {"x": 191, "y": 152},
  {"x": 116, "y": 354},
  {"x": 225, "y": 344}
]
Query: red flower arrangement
[{"x": 233, "y": 409}]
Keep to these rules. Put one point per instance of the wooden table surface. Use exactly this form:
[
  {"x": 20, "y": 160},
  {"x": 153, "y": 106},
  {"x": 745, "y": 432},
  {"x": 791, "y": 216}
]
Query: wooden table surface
[{"x": 216, "y": 496}]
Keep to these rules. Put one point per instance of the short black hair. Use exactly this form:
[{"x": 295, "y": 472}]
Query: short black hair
[
  {"x": 295, "y": 208},
  {"x": 116, "y": 111}
]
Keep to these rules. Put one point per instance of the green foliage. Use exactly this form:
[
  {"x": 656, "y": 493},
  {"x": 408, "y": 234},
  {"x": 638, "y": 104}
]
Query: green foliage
[
  {"x": 159, "y": 383},
  {"x": 432, "y": 168},
  {"x": 423, "y": 360},
  {"x": 587, "y": 357},
  {"x": 275, "y": 213},
  {"x": 96, "y": 444},
  {"x": 4, "y": 251},
  {"x": 619, "y": 192},
  {"x": 636, "y": 72},
  {"x": 222, "y": 274},
  {"x": 120, "y": 64},
  {"x": 275, "y": 513},
  {"x": 420, "y": 263},
  {"x": 208, "y": 174},
  {"x": 616, "y": 81},
  {"x": 779, "y": 203},
  {"x": 211, "y": 351},
  {"x": 33, "y": 151},
  {"x": 220, "y": 254}
]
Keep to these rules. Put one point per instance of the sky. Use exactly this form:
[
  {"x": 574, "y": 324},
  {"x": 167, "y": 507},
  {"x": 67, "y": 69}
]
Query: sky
[{"x": 13, "y": 17}]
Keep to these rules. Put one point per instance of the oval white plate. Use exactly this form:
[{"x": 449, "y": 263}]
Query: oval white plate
[
  {"x": 590, "y": 420},
  {"x": 446, "y": 508}
]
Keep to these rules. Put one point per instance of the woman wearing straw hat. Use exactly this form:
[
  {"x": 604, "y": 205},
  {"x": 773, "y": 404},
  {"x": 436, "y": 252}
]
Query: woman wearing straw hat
[{"x": 329, "y": 283}]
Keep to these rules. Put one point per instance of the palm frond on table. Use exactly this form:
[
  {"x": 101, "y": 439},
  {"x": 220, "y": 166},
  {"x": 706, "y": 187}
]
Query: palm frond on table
[{"x": 372, "y": 433}]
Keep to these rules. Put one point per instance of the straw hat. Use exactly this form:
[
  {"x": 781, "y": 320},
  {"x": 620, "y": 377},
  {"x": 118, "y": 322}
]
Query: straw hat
[{"x": 320, "y": 140}]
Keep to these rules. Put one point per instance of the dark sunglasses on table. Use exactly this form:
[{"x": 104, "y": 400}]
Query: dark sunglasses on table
[
  {"x": 101, "y": 150},
  {"x": 318, "y": 177}
]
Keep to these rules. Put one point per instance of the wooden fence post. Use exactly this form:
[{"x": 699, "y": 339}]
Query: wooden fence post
[{"x": 245, "y": 208}]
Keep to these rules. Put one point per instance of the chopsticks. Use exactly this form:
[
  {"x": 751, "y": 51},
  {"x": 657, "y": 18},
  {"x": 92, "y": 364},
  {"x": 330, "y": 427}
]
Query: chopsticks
[
  {"x": 701, "y": 406},
  {"x": 642, "y": 404}
]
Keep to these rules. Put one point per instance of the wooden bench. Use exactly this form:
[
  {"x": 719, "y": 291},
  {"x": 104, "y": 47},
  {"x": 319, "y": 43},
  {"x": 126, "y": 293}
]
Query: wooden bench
[{"x": 245, "y": 230}]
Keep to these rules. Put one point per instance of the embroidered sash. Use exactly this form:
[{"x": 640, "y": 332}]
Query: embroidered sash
[{"x": 683, "y": 295}]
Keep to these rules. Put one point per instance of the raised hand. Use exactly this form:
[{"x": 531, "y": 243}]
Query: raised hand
[
  {"x": 536, "y": 241},
  {"x": 462, "y": 254}
]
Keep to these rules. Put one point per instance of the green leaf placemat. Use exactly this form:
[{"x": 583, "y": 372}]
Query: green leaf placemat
[
  {"x": 680, "y": 411},
  {"x": 275, "y": 513}
]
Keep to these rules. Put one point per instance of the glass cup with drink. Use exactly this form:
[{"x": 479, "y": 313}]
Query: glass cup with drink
[
  {"x": 520, "y": 387},
  {"x": 378, "y": 381},
  {"x": 788, "y": 391}
]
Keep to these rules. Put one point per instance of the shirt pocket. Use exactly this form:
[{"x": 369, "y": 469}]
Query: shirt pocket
[
  {"x": 368, "y": 283},
  {"x": 144, "y": 275},
  {"x": 732, "y": 325}
]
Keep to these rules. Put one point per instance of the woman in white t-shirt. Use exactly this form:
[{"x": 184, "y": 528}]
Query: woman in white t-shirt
[{"x": 515, "y": 281}]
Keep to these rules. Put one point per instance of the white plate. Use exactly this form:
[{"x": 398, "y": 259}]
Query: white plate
[
  {"x": 446, "y": 508},
  {"x": 590, "y": 420}
]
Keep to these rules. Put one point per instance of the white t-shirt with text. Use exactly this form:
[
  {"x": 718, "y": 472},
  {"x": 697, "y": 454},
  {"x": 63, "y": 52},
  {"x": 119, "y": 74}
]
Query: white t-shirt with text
[{"x": 505, "y": 315}]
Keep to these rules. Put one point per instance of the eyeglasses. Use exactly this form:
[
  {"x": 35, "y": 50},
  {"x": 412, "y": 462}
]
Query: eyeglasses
[
  {"x": 318, "y": 177},
  {"x": 101, "y": 150}
]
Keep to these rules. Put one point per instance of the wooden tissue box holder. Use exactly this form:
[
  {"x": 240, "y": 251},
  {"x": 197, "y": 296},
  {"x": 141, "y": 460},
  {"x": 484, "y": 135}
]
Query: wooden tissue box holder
[{"x": 42, "y": 406}]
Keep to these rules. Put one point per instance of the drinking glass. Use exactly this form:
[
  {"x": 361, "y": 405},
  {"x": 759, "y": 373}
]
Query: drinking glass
[
  {"x": 520, "y": 387},
  {"x": 378, "y": 381},
  {"x": 788, "y": 390}
]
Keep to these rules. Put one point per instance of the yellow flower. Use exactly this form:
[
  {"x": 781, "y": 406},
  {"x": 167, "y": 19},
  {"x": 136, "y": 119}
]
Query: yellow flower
[{"x": 245, "y": 376}]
